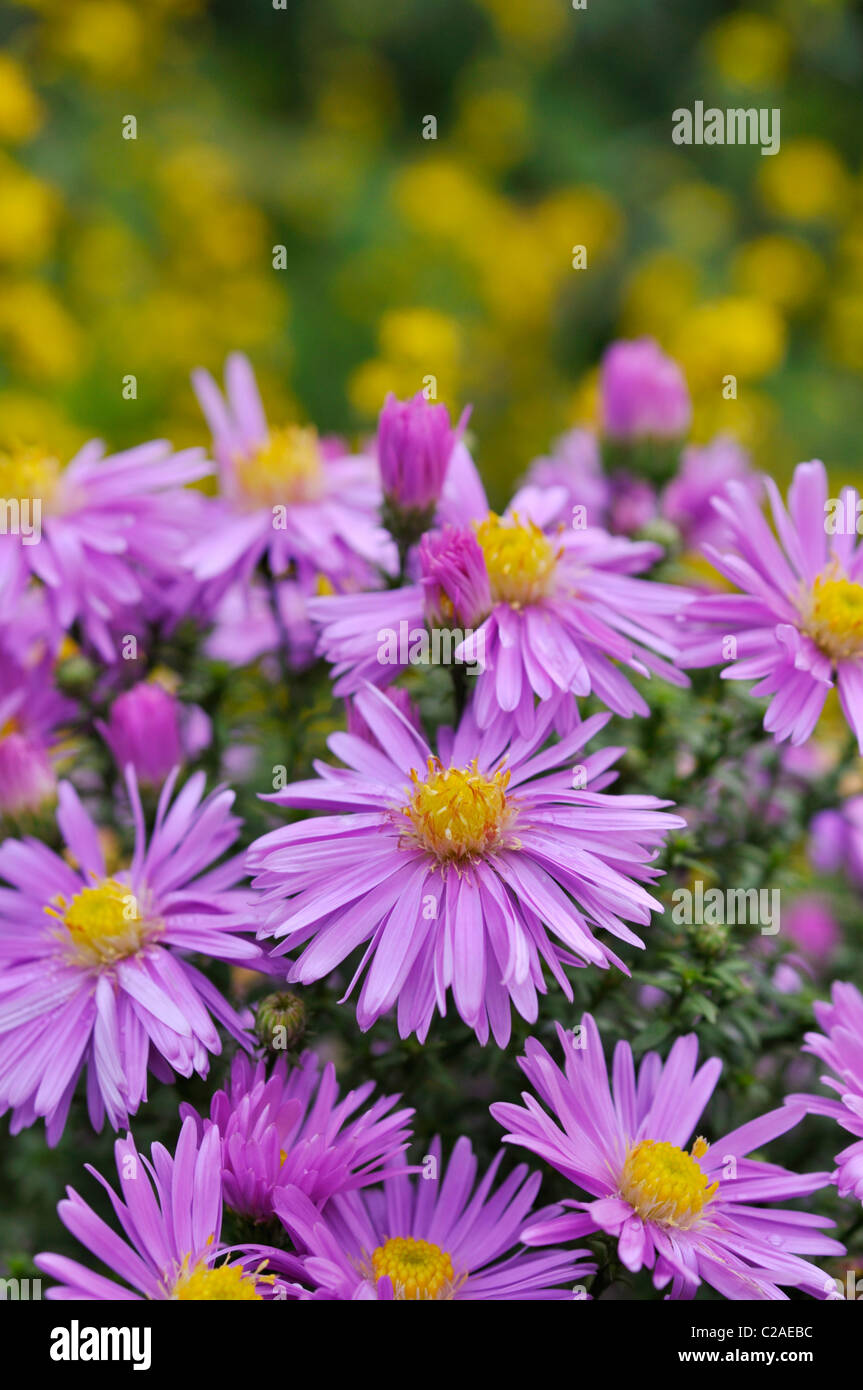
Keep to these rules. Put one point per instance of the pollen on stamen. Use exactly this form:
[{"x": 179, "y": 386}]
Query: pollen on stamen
[
  {"x": 102, "y": 924},
  {"x": 519, "y": 558},
  {"x": 223, "y": 1283},
  {"x": 665, "y": 1184},
  {"x": 418, "y": 1269},
  {"x": 27, "y": 471},
  {"x": 832, "y": 614},
  {"x": 459, "y": 813},
  {"x": 285, "y": 469}
]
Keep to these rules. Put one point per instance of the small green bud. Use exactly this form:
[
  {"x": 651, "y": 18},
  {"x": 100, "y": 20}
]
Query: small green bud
[{"x": 280, "y": 1022}]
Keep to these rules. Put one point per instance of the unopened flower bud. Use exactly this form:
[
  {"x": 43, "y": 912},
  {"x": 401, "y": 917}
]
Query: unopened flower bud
[
  {"x": 643, "y": 393},
  {"x": 280, "y": 1021}
]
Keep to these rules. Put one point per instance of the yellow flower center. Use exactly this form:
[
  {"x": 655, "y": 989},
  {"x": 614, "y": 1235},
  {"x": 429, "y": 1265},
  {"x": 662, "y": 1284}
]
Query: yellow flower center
[
  {"x": 665, "y": 1184},
  {"x": 520, "y": 560},
  {"x": 28, "y": 472},
  {"x": 222, "y": 1284},
  {"x": 102, "y": 924},
  {"x": 457, "y": 813},
  {"x": 287, "y": 468},
  {"x": 418, "y": 1269},
  {"x": 833, "y": 615},
  {"x": 11, "y": 726}
]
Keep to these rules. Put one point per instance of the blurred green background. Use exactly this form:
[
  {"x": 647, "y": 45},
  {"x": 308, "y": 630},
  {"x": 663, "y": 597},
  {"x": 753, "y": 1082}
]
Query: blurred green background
[{"x": 302, "y": 127}]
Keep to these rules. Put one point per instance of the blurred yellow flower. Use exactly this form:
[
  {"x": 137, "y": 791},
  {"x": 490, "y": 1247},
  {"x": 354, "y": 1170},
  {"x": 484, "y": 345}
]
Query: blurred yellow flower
[
  {"x": 416, "y": 345},
  {"x": 417, "y": 335},
  {"x": 517, "y": 273},
  {"x": 21, "y": 112},
  {"x": 738, "y": 336},
  {"x": 580, "y": 216},
  {"x": 782, "y": 269},
  {"x": 194, "y": 172},
  {"x": 30, "y": 210},
  {"x": 107, "y": 39},
  {"x": 750, "y": 50},
  {"x": 28, "y": 417},
  {"x": 535, "y": 26},
  {"x": 492, "y": 128},
  {"x": 107, "y": 262},
  {"x": 658, "y": 293},
  {"x": 444, "y": 198},
  {"x": 227, "y": 234},
  {"x": 584, "y": 402},
  {"x": 805, "y": 181},
  {"x": 39, "y": 335}
]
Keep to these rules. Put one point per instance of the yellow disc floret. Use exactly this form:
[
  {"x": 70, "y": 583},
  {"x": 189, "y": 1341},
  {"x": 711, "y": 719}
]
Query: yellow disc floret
[
  {"x": 833, "y": 615},
  {"x": 102, "y": 924},
  {"x": 28, "y": 472},
  {"x": 666, "y": 1184},
  {"x": 418, "y": 1269},
  {"x": 458, "y": 813},
  {"x": 222, "y": 1284},
  {"x": 520, "y": 560},
  {"x": 285, "y": 469}
]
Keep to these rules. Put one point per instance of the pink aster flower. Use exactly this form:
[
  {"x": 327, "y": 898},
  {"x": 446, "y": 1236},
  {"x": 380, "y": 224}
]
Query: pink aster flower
[
  {"x": 703, "y": 473},
  {"x": 397, "y": 696},
  {"x": 170, "y": 1213},
  {"x": 467, "y": 870},
  {"x": 643, "y": 393},
  {"x": 840, "y": 1047},
  {"x": 797, "y": 626},
  {"x": 150, "y": 730},
  {"x": 689, "y": 1215},
  {"x": 810, "y": 923},
  {"x": 836, "y": 839},
  {"x": 433, "y": 1238},
  {"x": 574, "y": 468},
  {"x": 100, "y": 960},
  {"x": 32, "y": 712},
  {"x": 291, "y": 1130},
  {"x": 564, "y": 607},
  {"x": 111, "y": 532},
  {"x": 244, "y": 625},
  {"x": 303, "y": 503}
]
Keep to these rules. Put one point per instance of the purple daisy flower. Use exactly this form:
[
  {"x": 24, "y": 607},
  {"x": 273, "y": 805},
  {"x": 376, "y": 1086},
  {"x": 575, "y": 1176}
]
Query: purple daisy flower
[
  {"x": 291, "y": 1129},
  {"x": 465, "y": 870},
  {"x": 840, "y": 1047},
  {"x": 170, "y": 1211},
  {"x": 32, "y": 712},
  {"x": 798, "y": 624},
  {"x": 303, "y": 503},
  {"x": 104, "y": 956},
  {"x": 111, "y": 532},
  {"x": 563, "y": 606},
  {"x": 431, "y": 1238},
  {"x": 687, "y": 1215}
]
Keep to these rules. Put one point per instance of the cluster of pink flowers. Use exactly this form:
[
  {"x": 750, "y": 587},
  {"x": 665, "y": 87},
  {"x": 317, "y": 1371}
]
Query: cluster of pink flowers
[{"x": 468, "y": 864}]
